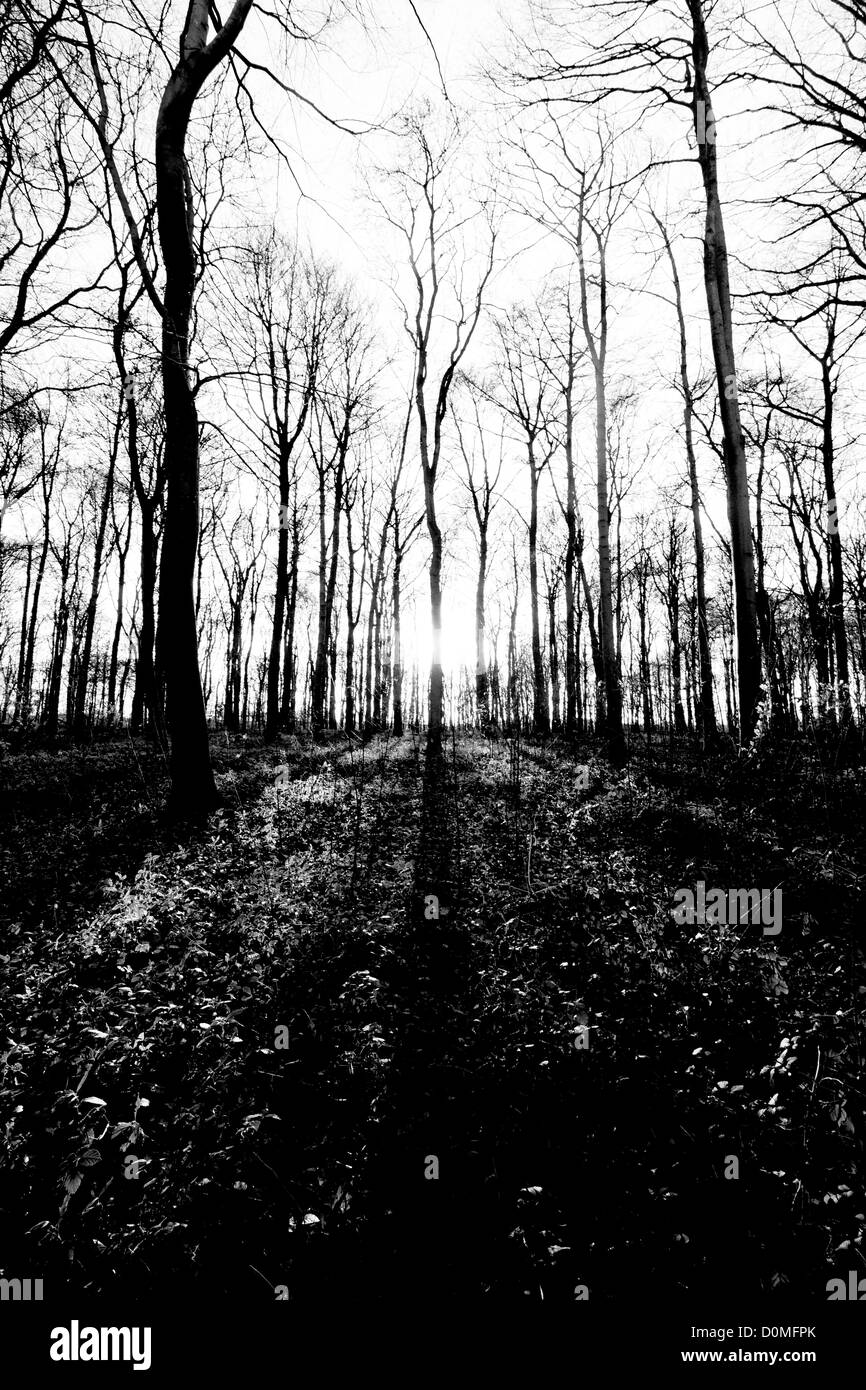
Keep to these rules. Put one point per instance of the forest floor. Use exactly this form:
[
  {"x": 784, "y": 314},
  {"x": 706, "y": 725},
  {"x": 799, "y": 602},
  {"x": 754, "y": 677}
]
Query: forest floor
[{"x": 235, "y": 1058}]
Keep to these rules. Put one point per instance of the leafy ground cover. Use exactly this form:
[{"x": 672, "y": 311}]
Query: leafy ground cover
[{"x": 229, "y": 1056}]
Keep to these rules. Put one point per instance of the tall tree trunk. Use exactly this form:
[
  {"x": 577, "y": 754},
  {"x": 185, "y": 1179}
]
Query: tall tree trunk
[
  {"x": 513, "y": 677},
  {"x": 80, "y": 699},
  {"x": 643, "y": 651},
  {"x": 836, "y": 579},
  {"x": 718, "y": 294},
  {"x": 193, "y": 788},
  {"x": 378, "y": 712},
  {"x": 147, "y": 695},
  {"x": 436, "y": 713},
  {"x": 540, "y": 706},
  {"x": 706, "y": 704},
  {"x": 607, "y": 634},
  {"x": 398, "y": 634},
  {"x": 323, "y": 642},
  {"x": 122, "y": 556},
  {"x": 232, "y": 703},
  {"x": 22, "y": 646},
  {"x": 349, "y": 707},
  {"x": 554, "y": 657},
  {"x": 368, "y": 659},
  {"x": 372, "y": 691},
  {"x": 290, "y": 657},
  {"x": 571, "y": 673},
  {"x": 51, "y": 706},
  {"x": 317, "y": 691},
  {"x": 764, "y": 607},
  {"x": 332, "y": 681},
  {"x": 676, "y": 639},
  {"x": 275, "y": 653},
  {"x": 595, "y": 646},
  {"x": 47, "y": 492},
  {"x": 482, "y": 680}
]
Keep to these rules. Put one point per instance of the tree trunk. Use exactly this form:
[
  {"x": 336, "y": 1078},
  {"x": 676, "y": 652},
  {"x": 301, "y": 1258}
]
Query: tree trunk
[
  {"x": 540, "y": 706},
  {"x": 275, "y": 654},
  {"x": 706, "y": 711},
  {"x": 22, "y": 646},
  {"x": 721, "y": 331},
  {"x": 571, "y": 673},
  {"x": 317, "y": 690},
  {"x": 51, "y": 707},
  {"x": 80, "y": 701},
  {"x": 554, "y": 657},
  {"x": 482, "y": 680},
  {"x": 122, "y": 556},
  {"x": 290, "y": 659},
  {"x": 193, "y": 788},
  {"x": 595, "y": 646},
  {"x": 836, "y": 577},
  {"x": 398, "y": 639},
  {"x": 436, "y": 713},
  {"x": 147, "y": 694},
  {"x": 607, "y": 633}
]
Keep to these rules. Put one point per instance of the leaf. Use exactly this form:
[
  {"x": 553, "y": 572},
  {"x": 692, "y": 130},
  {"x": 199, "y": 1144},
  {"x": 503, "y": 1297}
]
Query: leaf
[
  {"x": 842, "y": 1119},
  {"x": 93, "y": 1100},
  {"x": 71, "y": 1181},
  {"x": 89, "y": 1158}
]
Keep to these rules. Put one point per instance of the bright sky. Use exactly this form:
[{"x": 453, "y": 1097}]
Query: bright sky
[{"x": 364, "y": 78}]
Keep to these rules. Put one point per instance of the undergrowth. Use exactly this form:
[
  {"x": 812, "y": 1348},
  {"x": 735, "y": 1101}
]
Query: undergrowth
[{"x": 230, "y": 1055}]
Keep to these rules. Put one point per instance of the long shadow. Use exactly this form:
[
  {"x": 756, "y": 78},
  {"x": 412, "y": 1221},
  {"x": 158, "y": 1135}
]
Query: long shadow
[{"x": 436, "y": 1226}]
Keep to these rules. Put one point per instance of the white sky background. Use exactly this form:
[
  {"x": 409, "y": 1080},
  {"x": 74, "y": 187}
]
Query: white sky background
[
  {"x": 368, "y": 81},
  {"x": 366, "y": 78}
]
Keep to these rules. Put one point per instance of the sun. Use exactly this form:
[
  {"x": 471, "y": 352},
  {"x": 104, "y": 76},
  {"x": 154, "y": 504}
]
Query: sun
[{"x": 458, "y": 636}]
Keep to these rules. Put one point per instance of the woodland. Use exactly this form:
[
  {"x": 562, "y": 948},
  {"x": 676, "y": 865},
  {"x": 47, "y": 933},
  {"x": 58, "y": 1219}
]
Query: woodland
[{"x": 432, "y": 546}]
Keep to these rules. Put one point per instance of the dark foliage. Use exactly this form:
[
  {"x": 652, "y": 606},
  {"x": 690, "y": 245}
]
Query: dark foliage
[{"x": 148, "y": 970}]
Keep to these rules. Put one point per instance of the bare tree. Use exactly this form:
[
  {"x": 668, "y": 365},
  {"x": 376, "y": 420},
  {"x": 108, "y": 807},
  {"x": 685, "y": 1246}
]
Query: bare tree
[
  {"x": 429, "y": 226},
  {"x": 581, "y": 201},
  {"x": 50, "y": 453},
  {"x": 800, "y": 314},
  {"x": 529, "y": 398},
  {"x": 637, "y": 54},
  {"x": 706, "y": 705},
  {"x": 278, "y": 307},
  {"x": 341, "y": 410},
  {"x": 563, "y": 360},
  {"x": 481, "y": 492}
]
